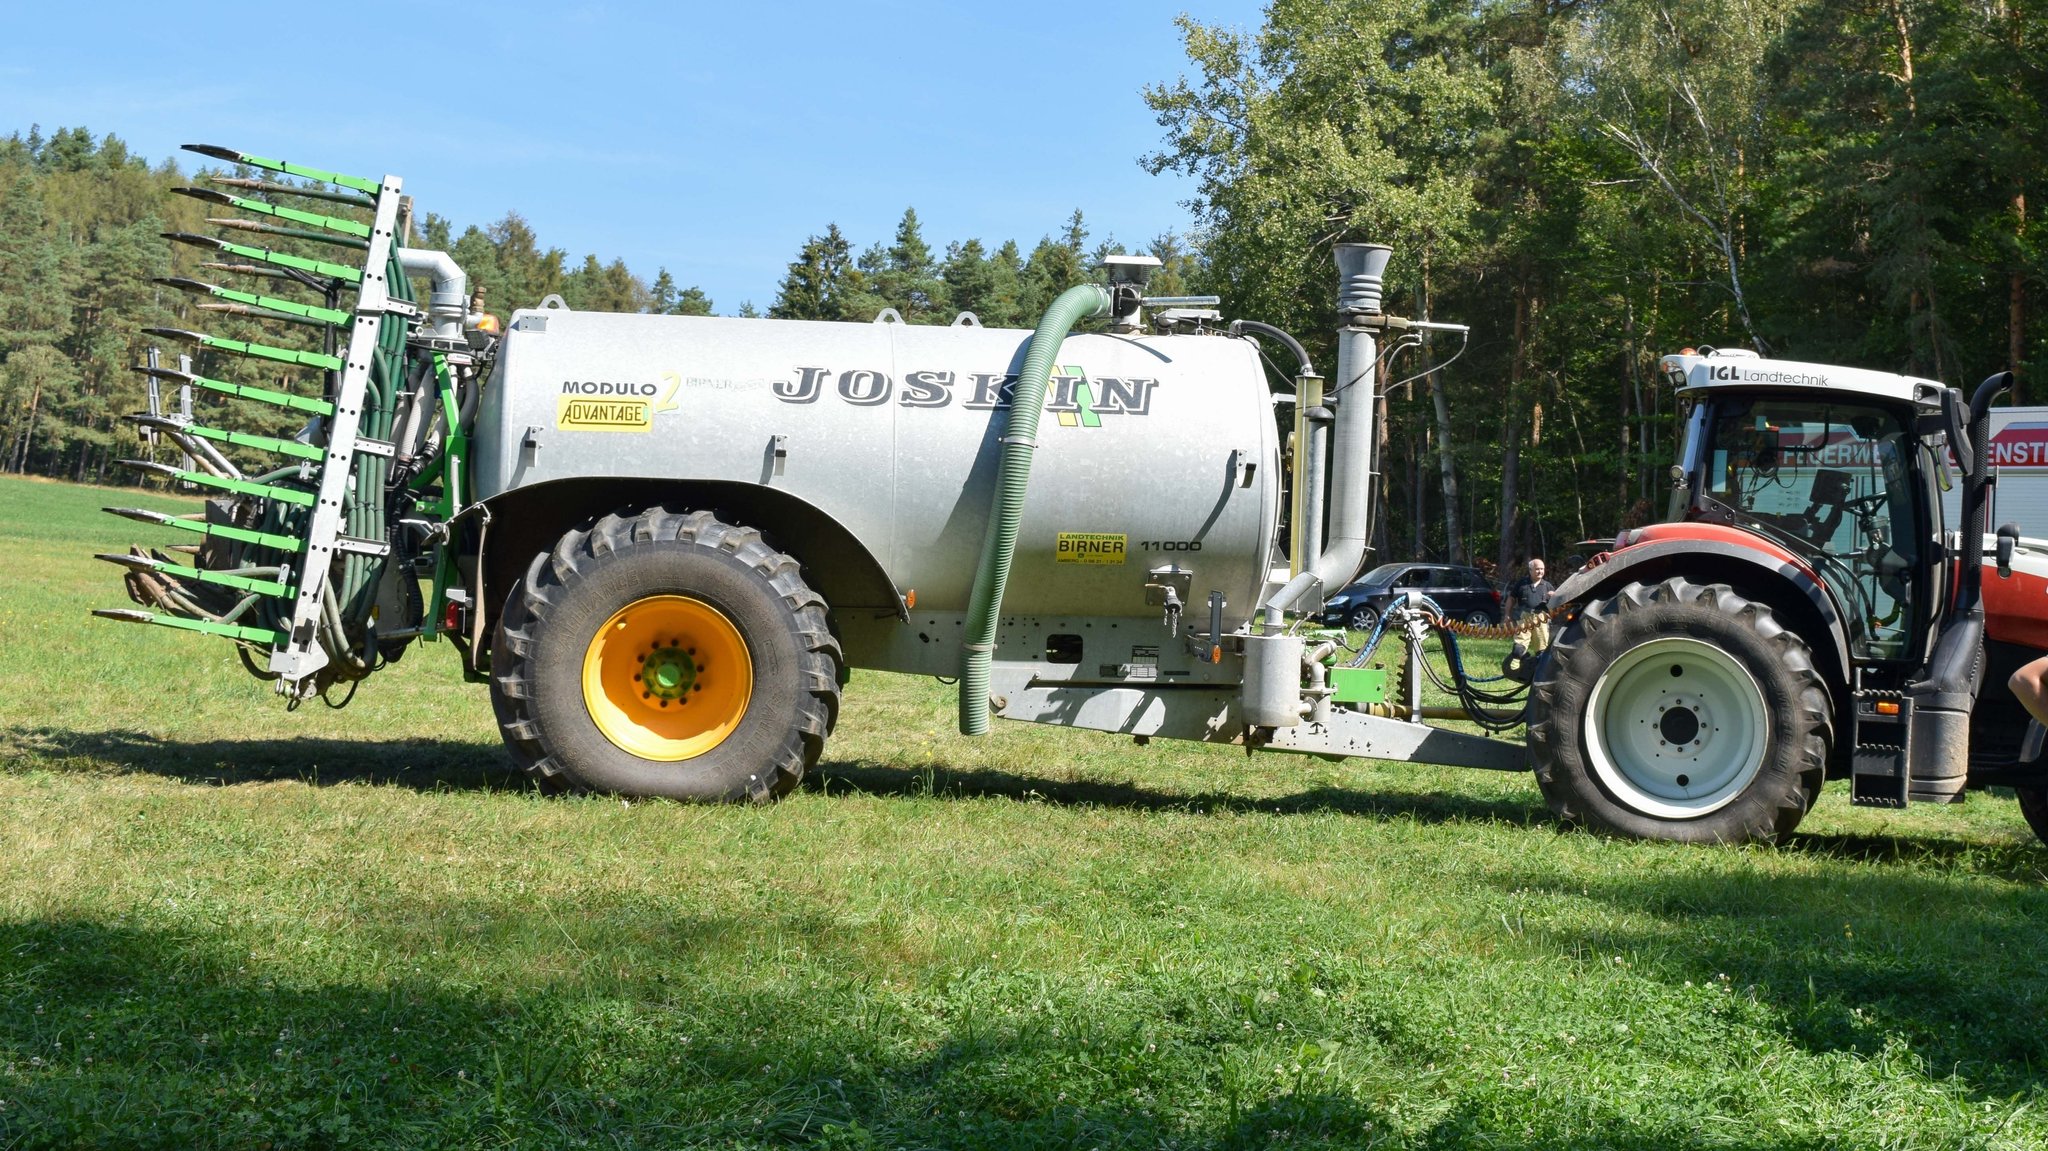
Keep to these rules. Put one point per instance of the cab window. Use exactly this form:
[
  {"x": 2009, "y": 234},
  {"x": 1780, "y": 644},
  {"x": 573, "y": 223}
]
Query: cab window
[{"x": 1832, "y": 482}]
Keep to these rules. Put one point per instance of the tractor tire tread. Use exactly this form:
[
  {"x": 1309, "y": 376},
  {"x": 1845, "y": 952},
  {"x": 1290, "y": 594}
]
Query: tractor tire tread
[{"x": 1579, "y": 655}]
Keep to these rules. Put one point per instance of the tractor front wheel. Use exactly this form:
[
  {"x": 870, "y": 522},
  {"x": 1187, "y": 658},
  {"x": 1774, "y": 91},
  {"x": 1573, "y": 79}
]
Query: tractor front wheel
[
  {"x": 1680, "y": 711},
  {"x": 666, "y": 654}
]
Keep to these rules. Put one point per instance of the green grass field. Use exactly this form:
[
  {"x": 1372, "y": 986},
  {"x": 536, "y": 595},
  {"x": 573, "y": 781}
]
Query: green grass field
[{"x": 222, "y": 925}]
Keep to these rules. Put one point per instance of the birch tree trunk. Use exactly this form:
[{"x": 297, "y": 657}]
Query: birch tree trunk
[
  {"x": 1447, "y": 464},
  {"x": 1511, "y": 437}
]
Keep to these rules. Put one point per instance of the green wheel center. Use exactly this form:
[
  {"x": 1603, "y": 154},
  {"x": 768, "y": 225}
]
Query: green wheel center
[{"x": 668, "y": 673}]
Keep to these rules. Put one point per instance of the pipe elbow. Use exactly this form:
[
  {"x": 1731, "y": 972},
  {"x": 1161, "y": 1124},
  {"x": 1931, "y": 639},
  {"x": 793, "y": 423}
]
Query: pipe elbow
[{"x": 448, "y": 297}]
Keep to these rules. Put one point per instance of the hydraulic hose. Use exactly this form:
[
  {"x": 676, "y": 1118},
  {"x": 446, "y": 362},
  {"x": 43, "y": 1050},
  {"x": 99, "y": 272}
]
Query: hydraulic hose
[
  {"x": 1239, "y": 327},
  {"x": 1019, "y": 441}
]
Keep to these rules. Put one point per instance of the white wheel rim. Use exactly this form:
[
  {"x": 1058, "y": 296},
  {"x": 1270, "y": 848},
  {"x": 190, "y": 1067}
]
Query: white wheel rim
[{"x": 1675, "y": 729}]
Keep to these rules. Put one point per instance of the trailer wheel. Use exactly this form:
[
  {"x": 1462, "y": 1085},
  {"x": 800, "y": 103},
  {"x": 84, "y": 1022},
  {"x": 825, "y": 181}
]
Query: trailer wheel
[
  {"x": 666, "y": 654},
  {"x": 2034, "y": 806},
  {"x": 509, "y": 692},
  {"x": 1682, "y": 712}
]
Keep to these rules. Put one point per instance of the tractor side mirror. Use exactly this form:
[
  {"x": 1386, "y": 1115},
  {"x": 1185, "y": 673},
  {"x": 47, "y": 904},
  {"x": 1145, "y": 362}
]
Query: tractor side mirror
[
  {"x": 1957, "y": 417},
  {"x": 2008, "y": 539}
]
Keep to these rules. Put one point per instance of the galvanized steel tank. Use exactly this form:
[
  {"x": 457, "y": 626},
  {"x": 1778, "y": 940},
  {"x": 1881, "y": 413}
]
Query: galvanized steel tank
[{"x": 1153, "y": 450}]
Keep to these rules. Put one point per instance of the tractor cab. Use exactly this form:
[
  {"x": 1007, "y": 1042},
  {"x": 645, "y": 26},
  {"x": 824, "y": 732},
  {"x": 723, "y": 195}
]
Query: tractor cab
[{"x": 1841, "y": 470}]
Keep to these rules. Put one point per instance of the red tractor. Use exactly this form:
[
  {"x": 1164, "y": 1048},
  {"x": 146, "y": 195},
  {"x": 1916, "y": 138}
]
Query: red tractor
[{"x": 1804, "y": 615}]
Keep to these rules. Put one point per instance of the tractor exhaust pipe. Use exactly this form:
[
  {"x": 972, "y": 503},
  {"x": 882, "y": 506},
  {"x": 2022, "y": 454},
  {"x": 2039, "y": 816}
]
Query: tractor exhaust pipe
[
  {"x": 1944, "y": 700},
  {"x": 1361, "y": 272}
]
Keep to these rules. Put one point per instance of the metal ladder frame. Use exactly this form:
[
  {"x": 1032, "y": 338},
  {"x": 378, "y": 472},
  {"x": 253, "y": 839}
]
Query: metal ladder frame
[{"x": 300, "y": 655}]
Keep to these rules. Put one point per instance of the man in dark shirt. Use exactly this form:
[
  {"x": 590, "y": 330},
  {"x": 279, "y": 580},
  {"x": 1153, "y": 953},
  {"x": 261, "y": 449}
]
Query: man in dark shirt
[{"x": 1526, "y": 597}]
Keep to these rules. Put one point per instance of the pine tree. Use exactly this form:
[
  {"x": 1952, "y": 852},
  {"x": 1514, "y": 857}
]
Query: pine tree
[
  {"x": 661, "y": 298},
  {"x": 693, "y": 302},
  {"x": 819, "y": 280},
  {"x": 35, "y": 319},
  {"x": 1054, "y": 266},
  {"x": 908, "y": 279},
  {"x": 970, "y": 278}
]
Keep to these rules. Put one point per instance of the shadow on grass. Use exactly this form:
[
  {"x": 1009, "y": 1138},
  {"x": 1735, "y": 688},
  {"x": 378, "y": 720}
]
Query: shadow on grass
[
  {"x": 2021, "y": 860},
  {"x": 1845, "y": 959},
  {"x": 437, "y": 765},
  {"x": 424, "y": 764},
  {"x": 133, "y": 1036},
  {"x": 976, "y": 783}
]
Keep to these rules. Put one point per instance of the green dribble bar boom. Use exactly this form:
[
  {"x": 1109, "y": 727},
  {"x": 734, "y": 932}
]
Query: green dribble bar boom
[{"x": 287, "y": 558}]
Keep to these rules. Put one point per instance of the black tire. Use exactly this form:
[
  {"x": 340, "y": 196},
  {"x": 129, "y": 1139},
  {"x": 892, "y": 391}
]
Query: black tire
[
  {"x": 1479, "y": 619},
  {"x": 2034, "y": 806},
  {"x": 515, "y": 727},
  {"x": 551, "y": 625},
  {"x": 1616, "y": 728},
  {"x": 1362, "y": 618}
]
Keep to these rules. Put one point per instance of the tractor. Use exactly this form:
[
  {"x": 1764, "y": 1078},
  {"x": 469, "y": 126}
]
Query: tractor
[{"x": 1803, "y": 614}]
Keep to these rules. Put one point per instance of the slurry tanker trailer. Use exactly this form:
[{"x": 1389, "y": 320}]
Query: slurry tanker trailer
[{"x": 663, "y": 540}]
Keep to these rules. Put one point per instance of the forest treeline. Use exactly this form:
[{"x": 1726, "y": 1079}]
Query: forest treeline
[{"x": 1588, "y": 183}]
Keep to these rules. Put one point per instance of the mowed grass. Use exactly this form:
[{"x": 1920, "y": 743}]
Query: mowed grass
[{"x": 222, "y": 925}]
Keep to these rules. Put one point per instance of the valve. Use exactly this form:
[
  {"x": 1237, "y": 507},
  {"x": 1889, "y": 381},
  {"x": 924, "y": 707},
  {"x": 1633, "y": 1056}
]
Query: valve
[{"x": 1168, "y": 587}]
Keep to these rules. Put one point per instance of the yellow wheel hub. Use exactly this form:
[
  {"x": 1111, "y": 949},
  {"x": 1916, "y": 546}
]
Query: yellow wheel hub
[{"x": 667, "y": 678}]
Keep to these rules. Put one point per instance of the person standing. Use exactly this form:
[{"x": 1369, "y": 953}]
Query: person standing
[{"x": 1527, "y": 598}]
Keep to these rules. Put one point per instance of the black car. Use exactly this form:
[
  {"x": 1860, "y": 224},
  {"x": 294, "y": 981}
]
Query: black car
[{"x": 1462, "y": 593}]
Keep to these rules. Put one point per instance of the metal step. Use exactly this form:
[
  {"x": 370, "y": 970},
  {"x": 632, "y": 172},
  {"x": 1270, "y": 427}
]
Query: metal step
[{"x": 1880, "y": 748}]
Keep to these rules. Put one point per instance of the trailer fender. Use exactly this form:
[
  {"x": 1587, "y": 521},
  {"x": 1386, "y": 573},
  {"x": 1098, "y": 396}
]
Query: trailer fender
[
  {"x": 528, "y": 520},
  {"x": 1777, "y": 579}
]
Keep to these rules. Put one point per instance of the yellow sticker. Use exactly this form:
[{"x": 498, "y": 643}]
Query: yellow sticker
[
  {"x": 579, "y": 414},
  {"x": 1089, "y": 548}
]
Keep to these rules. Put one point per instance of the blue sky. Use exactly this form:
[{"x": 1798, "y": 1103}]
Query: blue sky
[{"x": 707, "y": 138}]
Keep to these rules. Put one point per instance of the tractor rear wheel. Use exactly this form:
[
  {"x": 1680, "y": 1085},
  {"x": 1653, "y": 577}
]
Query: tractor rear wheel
[
  {"x": 1680, "y": 711},
  {"x": 666, "y": 653}
]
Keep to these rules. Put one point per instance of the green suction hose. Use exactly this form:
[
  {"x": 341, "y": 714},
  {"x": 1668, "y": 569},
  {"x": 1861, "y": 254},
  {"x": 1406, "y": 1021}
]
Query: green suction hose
[{"x": 1019, "y": 441}]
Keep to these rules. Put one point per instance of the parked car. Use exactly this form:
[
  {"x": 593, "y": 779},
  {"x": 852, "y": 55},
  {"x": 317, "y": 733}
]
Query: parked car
[{"x": 1463, "y": 593}]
